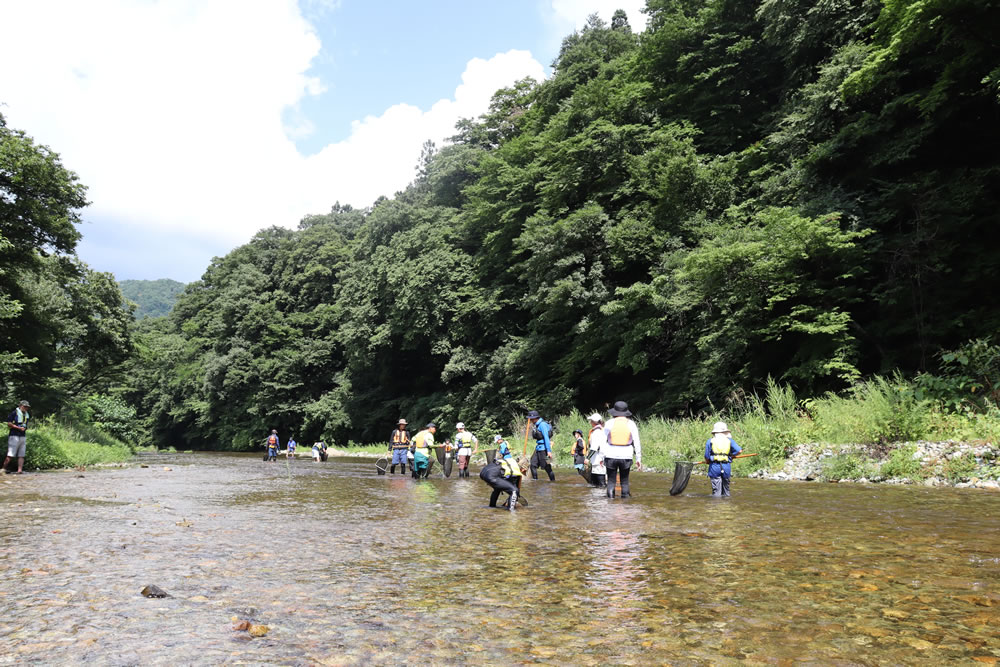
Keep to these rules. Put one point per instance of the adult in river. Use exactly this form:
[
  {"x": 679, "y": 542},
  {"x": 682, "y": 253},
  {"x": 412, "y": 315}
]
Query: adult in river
[
  {"x": 17, "y": 428},
  {"x": 399, "y": 445},
  {"x": 598, "y": 443},
  {"x": 319, "y": 451},
  {"x": 465, "y": 441},
  {"x": 719, "y": 452},
  {"x": 504, "y": 475},
  {"x": 272, "y": 446},
  {"x": 542, "y": 458},
  {"x": 623, "y": 442},
  {"x": 421, "y": 448}
]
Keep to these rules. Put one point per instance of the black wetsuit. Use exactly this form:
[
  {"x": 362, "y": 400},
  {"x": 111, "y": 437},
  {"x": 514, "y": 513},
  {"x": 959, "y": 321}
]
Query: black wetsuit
[{"x": 492, "y": 474}]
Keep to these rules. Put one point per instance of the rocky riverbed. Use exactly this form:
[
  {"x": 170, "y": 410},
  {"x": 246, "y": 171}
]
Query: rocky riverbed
[{"x": 948, "y": 463}]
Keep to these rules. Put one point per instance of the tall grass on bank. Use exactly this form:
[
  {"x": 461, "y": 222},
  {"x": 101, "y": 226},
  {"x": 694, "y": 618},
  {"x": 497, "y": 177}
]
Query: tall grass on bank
[
  {"x": 56, "y": 445},
  {"x": 877, "y": 411}
]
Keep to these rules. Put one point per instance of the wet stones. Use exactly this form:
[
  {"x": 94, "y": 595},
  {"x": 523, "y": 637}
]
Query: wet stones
[{"x": 154, "y": 592}]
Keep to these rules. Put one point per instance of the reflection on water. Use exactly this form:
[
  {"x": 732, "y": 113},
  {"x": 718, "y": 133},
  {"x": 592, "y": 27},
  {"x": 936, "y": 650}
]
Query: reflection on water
[{"x": 346, "y": 567}]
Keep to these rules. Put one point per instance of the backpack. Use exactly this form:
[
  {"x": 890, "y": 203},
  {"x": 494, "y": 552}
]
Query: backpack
[{"x": 537, "y": 435}]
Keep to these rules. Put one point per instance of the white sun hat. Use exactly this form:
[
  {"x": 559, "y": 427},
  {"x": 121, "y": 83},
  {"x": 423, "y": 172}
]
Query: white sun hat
[
  {"x": 720, "y": 427},
  {"x": 595, "y": 418},
  {"x": 459, "y": 425}
]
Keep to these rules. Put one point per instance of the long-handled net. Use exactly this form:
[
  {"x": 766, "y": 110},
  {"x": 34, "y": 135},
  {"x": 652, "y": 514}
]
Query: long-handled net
[
  {"x": 491, "y": 455},
  {"x": 381, "y": 465},
  {"x": 682, "y": 473}
]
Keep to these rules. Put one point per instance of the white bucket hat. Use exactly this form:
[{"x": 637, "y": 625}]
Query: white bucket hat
[
  {"x": 720, "y": 427},
  {"x": 595, "y": 418},
  {"x": 459, "y": 425}
]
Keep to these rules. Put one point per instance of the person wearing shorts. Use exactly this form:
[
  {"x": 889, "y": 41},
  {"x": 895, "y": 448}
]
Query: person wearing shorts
[
  {"x": 17, "y": 424},
  {"x": 290, "y": 452}
]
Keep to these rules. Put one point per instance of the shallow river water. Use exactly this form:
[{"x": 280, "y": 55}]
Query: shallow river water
[{"x": 346, "y": 567}]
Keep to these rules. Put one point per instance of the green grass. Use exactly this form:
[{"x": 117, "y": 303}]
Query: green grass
[{"x": 55, "y": 445}]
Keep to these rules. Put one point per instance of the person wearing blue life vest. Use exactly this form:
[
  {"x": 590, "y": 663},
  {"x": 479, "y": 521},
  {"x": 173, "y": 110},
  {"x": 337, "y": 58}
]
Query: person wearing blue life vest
[
  {"x": 541, "y": 431},
  {"x": 719, "y": 452}
]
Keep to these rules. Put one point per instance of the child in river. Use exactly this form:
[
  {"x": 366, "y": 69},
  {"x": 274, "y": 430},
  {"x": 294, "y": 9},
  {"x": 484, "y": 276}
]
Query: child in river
[
  {"x": 598, "y": 442},
  {"x": 719, "y": 452}
]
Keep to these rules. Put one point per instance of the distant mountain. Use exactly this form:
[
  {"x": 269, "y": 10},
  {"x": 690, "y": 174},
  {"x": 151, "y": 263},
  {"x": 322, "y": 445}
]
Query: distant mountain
[{"x": 154, "y": 297}]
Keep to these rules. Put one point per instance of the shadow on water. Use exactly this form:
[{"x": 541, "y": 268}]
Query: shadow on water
[{"x": 346, "y": 566}]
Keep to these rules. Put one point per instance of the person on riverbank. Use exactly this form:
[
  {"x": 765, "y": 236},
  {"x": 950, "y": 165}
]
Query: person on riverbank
[
  {"x": 465, "y": 442},
  {"x": 598, "y": 443},
  {"x": 290, "y": 448},
  {"x": 503, "y": 475},
  {"x": 421, "y": 448},
  {"x": 623, "y": 443},
  {"x": 579, "y": 451},
  {"x": 272, "y": 445},
  {"x": 719, "y": 452},
  {"x": 541, "y": 431},
  {"x": 399, "y": 445},
  {"x": 17, "y": 439}
]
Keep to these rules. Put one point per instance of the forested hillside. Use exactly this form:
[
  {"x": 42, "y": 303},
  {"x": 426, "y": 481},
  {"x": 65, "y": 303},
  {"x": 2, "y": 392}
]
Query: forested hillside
[
  {"x": 153, "y": 298},
  {"x": 747, "y": 189}
]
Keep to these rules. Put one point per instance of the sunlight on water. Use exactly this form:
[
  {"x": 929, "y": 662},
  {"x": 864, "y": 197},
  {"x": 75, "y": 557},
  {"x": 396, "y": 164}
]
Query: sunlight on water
[{"x": 346, "y": 567}]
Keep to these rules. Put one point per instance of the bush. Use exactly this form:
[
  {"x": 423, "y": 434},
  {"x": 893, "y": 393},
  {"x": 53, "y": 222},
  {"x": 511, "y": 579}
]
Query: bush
[
  {"x": 847, "y": 466},
  {"x": 54, "y": 445},
  {"x": 902, "y": 463},
  {"x": 874, "y": 411},
  {"x": 960, "y": 468}
]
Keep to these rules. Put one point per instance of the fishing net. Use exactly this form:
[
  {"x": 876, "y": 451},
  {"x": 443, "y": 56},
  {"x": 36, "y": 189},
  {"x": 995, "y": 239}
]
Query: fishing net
[
  {"x": 449, "y": 461},
  {"x": 381, "y": 465},
  {"x": 682, "y": 473},
  {"x": 585, "y": 472},
  {"x": 491, "y": 455},
  {"x": 439, "y": 452}
]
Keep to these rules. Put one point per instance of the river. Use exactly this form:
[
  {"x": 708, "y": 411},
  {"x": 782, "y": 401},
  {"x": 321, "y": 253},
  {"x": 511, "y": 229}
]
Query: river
[{"x": 347, "y": 567}]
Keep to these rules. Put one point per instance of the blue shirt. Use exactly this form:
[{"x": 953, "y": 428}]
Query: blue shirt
[
  {"x": 543, "y": 443},
  {"x": 717, "y": 469},
  {"x": 291, "y": 443}
]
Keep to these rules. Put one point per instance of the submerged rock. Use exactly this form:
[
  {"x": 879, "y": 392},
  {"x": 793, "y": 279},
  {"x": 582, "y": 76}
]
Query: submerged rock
[{"x": 258, "y": 630}]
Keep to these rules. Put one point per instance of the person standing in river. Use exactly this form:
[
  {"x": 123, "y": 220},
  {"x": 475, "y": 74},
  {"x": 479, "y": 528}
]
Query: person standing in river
[
  {"x": 579, "y": 451},
  {"x": 290, "y": 447},
  {"x": 623, "y": 443},
  {"x": 465, "y": 442},
  {"x": 421, "y": 448},
  {"x": 399, "y": 445},
  {"x": 17, "y": 439},
  {"x": 598, "y": 443},
  {"x": 719, "y": 452},
  {"x": 541, "y": 431},
  {"x": 272, "y": 445}
]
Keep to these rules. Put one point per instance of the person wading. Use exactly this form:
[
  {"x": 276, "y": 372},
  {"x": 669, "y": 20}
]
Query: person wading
[
  {"x": 579, "y": 451},
  {"x": 598, "y": 443},
  {"x": 272, "y": 445},
  {"x": 465, "y": 442},
  {"x": 17, "y": 425},
  {"x": 719, "y": 452},
  {"x": 623, "y": 442},
  {"x": 542, "y": 458},
  {"x": 503, "y": 475},
  {"x": 399, "y": 445},
  {"x": 421, "y": 448}
]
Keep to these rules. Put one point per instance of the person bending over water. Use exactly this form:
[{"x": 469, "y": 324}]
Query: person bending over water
[{"x": 503, "y": 475}]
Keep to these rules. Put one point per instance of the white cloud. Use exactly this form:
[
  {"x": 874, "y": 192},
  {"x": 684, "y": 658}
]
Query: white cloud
[{"x": 172, "y": 112}]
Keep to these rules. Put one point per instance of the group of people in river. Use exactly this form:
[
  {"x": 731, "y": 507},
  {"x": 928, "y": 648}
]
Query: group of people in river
[
  {"x": 604, "y": 456},
  {"x": 272, "y": 445}
]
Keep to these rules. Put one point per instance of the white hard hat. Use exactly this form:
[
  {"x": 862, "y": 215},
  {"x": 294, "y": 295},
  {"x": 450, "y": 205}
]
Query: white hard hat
[
  {"x": 459, "y": 425},
  {"x": 720, "y": 427}
]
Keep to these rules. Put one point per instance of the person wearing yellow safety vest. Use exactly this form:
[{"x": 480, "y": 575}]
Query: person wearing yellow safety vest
[
  {"x": 421, "y": 448},
  {"x": 719, "y": 452},
  {"x": 399, "y": 445},
  {"x": 465, "y": 442},
  {"x": 623, "y": 442},
  {"x": 503, "y": 474}
]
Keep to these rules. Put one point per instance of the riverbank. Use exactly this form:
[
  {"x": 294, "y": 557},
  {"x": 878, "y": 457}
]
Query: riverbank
[{"x": 53, "y": 445}]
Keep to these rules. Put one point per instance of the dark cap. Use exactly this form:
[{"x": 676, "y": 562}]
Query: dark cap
[
  {"x": 620, "y": 410},
  {"x": 533, "y": 414}
]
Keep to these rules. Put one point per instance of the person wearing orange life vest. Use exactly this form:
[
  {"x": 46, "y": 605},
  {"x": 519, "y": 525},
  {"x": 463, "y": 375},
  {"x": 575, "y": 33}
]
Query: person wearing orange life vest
[
  {"x": 623, "y": 442},
  {"x": 719, "y": 451},
  {"x": 272, "y": 445},
  {"x": 399, "y": 445}
]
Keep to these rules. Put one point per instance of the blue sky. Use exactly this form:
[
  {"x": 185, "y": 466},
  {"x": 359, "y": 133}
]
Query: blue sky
[{"x": 194, "y": 123}]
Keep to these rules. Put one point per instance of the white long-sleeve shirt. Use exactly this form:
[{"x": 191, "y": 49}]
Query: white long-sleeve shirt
[
  {"x": 598, "y": 442},
  {"x": 623, "y": 452}
]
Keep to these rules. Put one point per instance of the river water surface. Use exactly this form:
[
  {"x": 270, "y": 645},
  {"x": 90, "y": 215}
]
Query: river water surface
[{"x": 346, "y": 567}]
